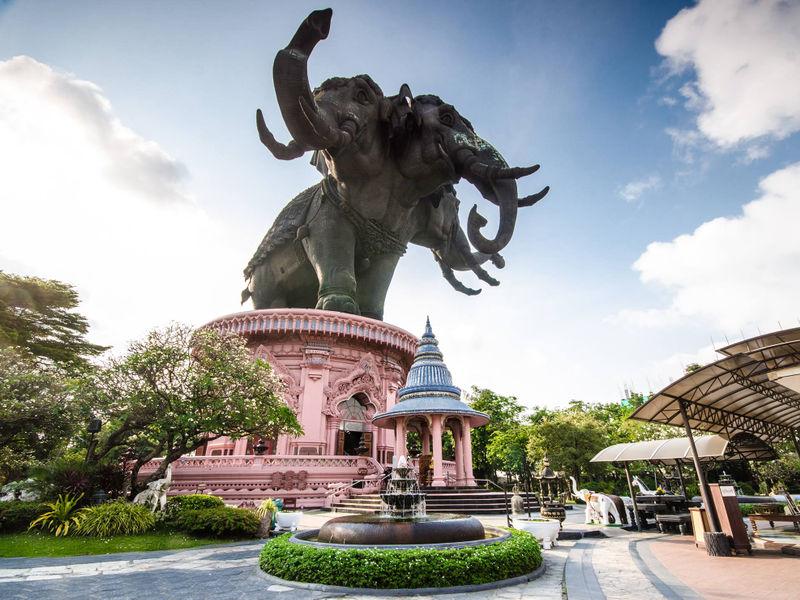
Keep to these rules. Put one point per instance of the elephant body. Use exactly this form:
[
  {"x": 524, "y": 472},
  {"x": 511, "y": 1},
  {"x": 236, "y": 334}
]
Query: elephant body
[{"x": 388, "y": 165}]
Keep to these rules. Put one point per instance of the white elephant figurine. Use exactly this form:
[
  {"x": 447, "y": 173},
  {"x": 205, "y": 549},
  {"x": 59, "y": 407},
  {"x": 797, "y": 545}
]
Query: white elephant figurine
[
  {"x": 601, "y": 509},
  {"x": 155, "y": 496}
]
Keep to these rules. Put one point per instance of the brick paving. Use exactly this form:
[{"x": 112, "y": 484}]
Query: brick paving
[{"x": 621, "y": 566}]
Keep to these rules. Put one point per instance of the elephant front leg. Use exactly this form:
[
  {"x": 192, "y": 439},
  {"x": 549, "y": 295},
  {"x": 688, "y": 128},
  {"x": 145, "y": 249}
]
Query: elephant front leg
[
  {"x": 330, "y": 246},
  {"x": 373, "y": 284}
]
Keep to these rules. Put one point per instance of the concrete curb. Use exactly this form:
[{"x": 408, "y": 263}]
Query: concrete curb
[{"x": 458, "y": 589}]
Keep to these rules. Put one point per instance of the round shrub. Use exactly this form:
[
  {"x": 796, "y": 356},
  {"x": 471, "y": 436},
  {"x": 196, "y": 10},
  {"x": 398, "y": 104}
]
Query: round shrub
[
  {"x": 177, "y": 505},
  {"x": 402, "y": 569},
  {"x": 15, "y": 516},
  {"x": 222, "y": 521},
  {"x": 116, "y": 518}
]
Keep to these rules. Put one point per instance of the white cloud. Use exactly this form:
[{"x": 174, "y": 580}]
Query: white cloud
[
  {"x": 745, "y": 56},
  {"x": 734, "y": 272},
  {"x": 633, "y": 190},
  {"x": 86, "y": 200}
]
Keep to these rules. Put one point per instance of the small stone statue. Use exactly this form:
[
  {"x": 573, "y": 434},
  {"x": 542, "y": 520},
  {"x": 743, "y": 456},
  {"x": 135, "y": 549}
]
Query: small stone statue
[
  {"x": 517, "y": 503},
  {"x": 155, "y": 496}
]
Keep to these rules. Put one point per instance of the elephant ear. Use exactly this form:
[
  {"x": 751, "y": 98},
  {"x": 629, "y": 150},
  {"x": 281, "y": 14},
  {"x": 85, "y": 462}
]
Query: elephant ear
[{"x": 319, "y": 162}]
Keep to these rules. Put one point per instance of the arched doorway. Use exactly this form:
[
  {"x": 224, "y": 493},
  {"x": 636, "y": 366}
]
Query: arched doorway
[{"x": 355, "y": 430}]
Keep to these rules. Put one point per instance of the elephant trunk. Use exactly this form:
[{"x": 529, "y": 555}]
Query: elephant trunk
[
  {"x": 487, "y": 176},
  {"x": 308, "y": 125}
]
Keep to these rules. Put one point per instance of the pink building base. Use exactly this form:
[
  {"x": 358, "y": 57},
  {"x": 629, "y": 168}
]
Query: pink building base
[{"x": 339, "y": 370}]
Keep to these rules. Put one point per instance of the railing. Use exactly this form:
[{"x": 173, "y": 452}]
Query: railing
[
  {"x": 505, "y": 498},
  {"x": 269, "y": 462},
  {"x": 345, "y": 487}
]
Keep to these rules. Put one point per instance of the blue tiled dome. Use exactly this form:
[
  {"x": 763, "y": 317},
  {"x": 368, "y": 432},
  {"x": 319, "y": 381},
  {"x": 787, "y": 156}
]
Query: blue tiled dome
[{"x": 429, "y": 386}]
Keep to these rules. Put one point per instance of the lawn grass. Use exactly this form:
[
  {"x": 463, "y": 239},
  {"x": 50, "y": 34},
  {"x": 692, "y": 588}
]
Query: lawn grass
[{"x": 42, "y": 544}]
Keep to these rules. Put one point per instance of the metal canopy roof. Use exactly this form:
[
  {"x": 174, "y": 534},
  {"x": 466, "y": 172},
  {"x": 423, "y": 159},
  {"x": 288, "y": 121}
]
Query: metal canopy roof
[
  {"x": 677, "y": 450},
  {"x": 743, "y": 392}
]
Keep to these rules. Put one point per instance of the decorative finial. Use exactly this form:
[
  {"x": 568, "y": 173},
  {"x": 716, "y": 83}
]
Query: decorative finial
[{"x": 428, "y": 330}]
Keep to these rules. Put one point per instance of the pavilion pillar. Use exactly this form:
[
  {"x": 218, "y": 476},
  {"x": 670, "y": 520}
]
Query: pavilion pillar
[
  {"x": 400, "y": 448},
  {"x": 425, "y": 436},
  {"x": 636, "y": 518},
  {"x": 796, "y": 442},
  {"x": 701, "y": 477},
  {"x": 438, "y": 467},
  {"x": 240, "y": 446},
  {"x": 459, "y": 448},
  {"x": 333, "y": 431},
  {"x": 466, "y": 437},
  {"x": 680, "y": 478}
]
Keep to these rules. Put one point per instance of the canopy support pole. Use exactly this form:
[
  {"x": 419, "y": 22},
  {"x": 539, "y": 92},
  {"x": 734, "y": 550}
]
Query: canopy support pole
[
  {"x": 701, "y": 477},
  {"x": 796, "y": 442},
  {"x": 680, "y": 478},
  {"x": 633, "y": 498}
]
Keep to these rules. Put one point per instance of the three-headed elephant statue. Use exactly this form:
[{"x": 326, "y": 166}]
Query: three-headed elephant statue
[{"x": 336, "y": 245}]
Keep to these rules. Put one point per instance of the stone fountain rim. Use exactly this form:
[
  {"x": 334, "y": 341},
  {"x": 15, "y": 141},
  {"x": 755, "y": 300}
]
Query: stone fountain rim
[
  {"x": 299, "y": 538},
  {"x": 458, "y": 589}
]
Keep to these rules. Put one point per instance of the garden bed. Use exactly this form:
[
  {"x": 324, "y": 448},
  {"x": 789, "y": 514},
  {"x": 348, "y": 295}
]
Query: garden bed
[{"x": 401, "y": 569}]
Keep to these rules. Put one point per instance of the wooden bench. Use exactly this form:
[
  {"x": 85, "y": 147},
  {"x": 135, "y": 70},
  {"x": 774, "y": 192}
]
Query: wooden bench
[
  {"x": 794, "y": 519},
  {"x": 682, "y": 520}
]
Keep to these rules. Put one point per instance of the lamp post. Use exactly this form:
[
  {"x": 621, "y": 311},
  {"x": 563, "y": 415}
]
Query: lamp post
[{"x": 93, "y": 428}]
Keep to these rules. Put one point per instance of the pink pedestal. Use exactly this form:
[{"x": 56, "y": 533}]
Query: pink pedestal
[{"x": 325, "y": 359}]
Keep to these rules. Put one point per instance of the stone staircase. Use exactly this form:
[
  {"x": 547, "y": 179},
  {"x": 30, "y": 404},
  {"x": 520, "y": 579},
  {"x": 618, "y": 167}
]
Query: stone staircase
[{"x": 473, "y": 501}]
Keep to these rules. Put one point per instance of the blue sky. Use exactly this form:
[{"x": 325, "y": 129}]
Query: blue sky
[{"x": 638, "y": 144}]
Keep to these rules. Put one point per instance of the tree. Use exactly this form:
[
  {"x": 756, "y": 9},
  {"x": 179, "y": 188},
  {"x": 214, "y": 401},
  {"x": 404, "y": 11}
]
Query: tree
[
  {"x": 39, "y": 315},
  {"x": 508, "y": 449},
  {"x": 38, "y": 414},
  {"x": 177, "y": 389},
  {"x": 570, "y": 439},
  {"x": 504, "y": 413}
]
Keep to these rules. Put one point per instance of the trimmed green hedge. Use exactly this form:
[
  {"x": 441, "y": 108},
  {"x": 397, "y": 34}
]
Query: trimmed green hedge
[
  {"x": 222, "y": 521},
  {"x": 178, "y": 505},
  {"x": 15, "y": 516},
  {"x": 402, "y": 569}
]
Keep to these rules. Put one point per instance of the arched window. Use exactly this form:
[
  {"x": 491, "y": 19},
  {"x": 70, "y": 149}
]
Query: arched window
[{"x": 353, "y": 409}]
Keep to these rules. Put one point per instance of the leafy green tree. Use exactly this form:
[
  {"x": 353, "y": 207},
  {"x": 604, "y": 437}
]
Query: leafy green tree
[
  {"x": 38, "y": 412},
  {"x": 505, "y": 412},
  {"x": 177, "y": 389},
  {"x": 507, "y": 450},
  {"x": 39, "y": 316},
  {"x": 570, "y": 439}
]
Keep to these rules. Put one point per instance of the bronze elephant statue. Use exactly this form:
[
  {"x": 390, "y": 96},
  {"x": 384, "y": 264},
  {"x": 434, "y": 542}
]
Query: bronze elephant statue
[{"x": 336, "y": 245}]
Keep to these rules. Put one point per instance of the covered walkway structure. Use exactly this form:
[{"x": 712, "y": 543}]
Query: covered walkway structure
[{"x": 753, "y": 390}]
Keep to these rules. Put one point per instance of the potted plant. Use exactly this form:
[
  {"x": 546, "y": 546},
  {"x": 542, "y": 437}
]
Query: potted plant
[{"x": 266, "y": 512}]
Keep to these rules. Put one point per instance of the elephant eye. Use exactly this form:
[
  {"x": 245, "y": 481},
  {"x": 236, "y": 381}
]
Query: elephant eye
[
  {"x": 447, "y": 119},
  {"x": 362, "y": 96}
]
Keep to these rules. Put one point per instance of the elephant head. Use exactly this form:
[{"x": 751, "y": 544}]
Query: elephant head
[
  {"x": 442, "y": 136},
  {"x": 347, "y": 120}
]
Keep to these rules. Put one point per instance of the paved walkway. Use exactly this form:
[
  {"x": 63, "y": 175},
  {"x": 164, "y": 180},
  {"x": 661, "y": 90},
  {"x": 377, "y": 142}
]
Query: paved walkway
[{"x": 621, "y": 566}]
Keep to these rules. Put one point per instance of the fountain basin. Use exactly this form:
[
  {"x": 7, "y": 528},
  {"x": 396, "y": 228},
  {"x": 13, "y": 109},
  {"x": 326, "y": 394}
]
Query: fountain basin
[{"x": 372, "y": 530}]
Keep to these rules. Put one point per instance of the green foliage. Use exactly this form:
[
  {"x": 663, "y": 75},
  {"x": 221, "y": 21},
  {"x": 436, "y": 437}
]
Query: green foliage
[
  {"x": 505, "y": 413},
  {"x": 267, "y": 508},
  {"x": 223, "y": 522},
  {"x": 63, "y": 516},
  {"x": 177, "y": 505},
  {"x": 71, "y": 475},
  {"x": 176, "y": 389},
  {"x": 416, "y": 568},
  {"x": 116, "y": 518},
  {"x": 507, "y": 450},
  {"x": 16, "y": 516},
  {"x": 38, "y": 414},
  {"x": 39, "y": 316},
  {"x": 570, "y": 439}
]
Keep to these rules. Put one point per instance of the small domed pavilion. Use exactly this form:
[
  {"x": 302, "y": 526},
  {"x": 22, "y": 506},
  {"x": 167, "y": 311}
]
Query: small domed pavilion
[{"x": 430, "y": 404}]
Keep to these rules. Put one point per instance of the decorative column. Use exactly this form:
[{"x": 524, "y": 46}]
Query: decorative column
[
  {"x": 400, "y": 448},
  {"x": 466, "y": 437},
  {"x": 333, "y": 430},
  {"x": 425, "y": 436},
  {"x": 240, "y": 446},
  {"x": 438, "y": 470},
  {"x": 458, "y": 438}
]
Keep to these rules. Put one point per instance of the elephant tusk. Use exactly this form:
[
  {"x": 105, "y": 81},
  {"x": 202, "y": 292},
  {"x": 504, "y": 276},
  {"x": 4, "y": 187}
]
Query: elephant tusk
[
  {"x": 533, "y": 198},
  {"x": 491, "y": 172},
  {"x": 278, "y": 150},
  {"x": 328, "y": 135}
]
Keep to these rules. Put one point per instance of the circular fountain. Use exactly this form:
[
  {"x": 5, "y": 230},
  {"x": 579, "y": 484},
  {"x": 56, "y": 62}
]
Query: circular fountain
[{"x": 402, "y": 519}]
